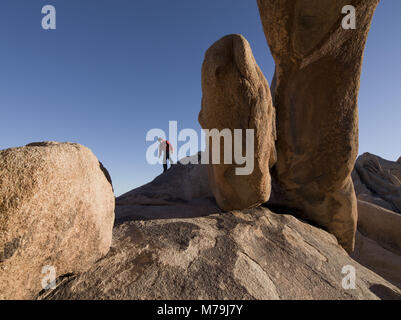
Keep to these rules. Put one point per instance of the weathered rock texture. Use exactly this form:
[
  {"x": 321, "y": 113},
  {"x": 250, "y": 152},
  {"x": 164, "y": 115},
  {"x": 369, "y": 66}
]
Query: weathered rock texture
[
  {"x": 378, "y": 181},
  {"x": 236, "y": 95},
  {"x": 378, "y": 241},
  {"x": 381, "y": 225},
  {"x": 251, "y": 254},
  {"x": 56, "y": 208},
  {"x": 183, "y": 191},
  {"x": 182, "y": 183},
  {"x": 380, "y": 260},
  {"x": 315, "y": 90}
]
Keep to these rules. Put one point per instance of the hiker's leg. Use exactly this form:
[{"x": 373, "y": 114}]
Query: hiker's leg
[
  {"x": 168, "y": 157},
  {"x": 165, "y": 162}
]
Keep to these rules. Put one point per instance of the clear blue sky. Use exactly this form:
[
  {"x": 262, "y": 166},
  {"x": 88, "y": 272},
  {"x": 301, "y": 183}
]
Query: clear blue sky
[{"x": 115, "y": 69}]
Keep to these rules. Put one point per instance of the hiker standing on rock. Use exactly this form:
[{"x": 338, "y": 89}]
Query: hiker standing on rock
[{"x": 166, "y": 148}]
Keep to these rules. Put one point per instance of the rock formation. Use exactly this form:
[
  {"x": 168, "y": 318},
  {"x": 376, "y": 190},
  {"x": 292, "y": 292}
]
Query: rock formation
[
  {"x": 56, "y": 209},
  {"x": 182, "y": 183},
  {"x": 171, "y": 240},
  {"x": 236, "y": 95},
  {"x": 250, "y": 254},
  {"x": 381, "y": 225},
  {"x": 315, "y": 90},
  {"x": 378, "y": 181},
  {"x": 157, "y": 252},
  {"x": 378, "y": 241},
  {"x": 183, "y": 191}
]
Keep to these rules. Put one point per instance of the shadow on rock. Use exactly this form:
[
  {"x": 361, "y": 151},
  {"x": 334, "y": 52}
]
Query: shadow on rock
[
  {"x": 384, "y": 292},
  {"x": 192, "y": 209}
]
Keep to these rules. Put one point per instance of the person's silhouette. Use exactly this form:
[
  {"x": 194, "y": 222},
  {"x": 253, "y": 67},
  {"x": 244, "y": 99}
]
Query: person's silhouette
[{"x": 165, "y": 147}]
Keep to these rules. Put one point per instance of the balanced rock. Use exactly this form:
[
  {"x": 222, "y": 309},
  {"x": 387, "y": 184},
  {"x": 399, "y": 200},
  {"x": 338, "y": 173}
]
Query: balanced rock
[
  {"x": 236, "y": 95},
  {"x": 56, "y": 211},
  {"x": 315, "y": 90}
]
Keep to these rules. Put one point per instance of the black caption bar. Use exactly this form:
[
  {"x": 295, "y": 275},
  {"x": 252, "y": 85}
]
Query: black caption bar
[{"x": 153, "y": 310}]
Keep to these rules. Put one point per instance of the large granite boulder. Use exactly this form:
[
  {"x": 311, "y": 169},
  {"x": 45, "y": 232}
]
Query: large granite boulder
[
  {"x": 378, "y": 181},
  {"x": 315, "y": 90},
  {"x": 236, "y": 95},
  {"x": 56, "y": 210},
  {"x": 250, "y": 254}
]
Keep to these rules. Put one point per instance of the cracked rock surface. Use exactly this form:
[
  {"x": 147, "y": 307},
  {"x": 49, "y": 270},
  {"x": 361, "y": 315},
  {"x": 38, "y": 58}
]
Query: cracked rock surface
[{"x": 250, "y": 254}]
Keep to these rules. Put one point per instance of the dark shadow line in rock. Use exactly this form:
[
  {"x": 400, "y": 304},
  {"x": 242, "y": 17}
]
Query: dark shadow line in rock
[
  {"x": 279, "y": 209},
  {"x": 60, "y": 282},
  {"x": 106, "y": 174},
  {"x": 164, "y": 212},
  {"x": 177, "y": 216},
  {"x": 384, "y": 292}
]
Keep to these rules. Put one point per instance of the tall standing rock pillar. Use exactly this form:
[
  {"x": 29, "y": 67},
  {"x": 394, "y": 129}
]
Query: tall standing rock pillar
[
  {"x": 315, "y": 90},
  {"x": 236, "y": 95}
]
